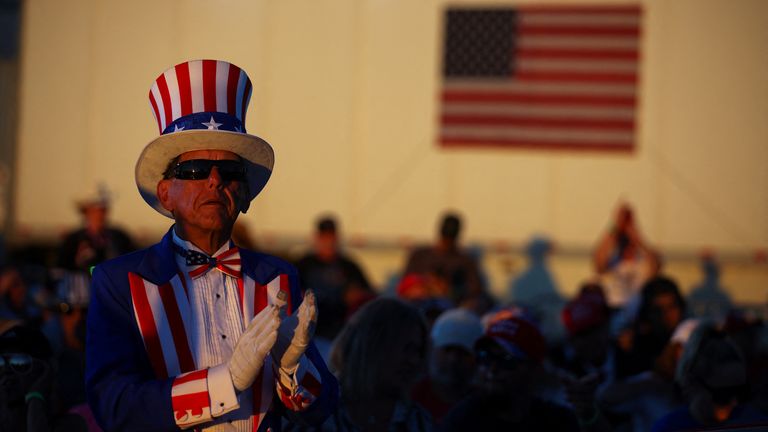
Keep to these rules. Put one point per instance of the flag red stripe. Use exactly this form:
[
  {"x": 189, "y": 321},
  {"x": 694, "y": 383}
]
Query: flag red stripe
[
  {"x": 246, "y": 96},
  {"x": 552, "y": 30},
  {"x": 209, "y": 85},
  {"x": 531, "y": 144},
  {"x": 147, "y": 325},
  {"x": 590, "y": 54},
  {"x": 157, "y": 112},
  {"x": 234, "y": 77},
  {"x": 185, "y": 88},
  {"x": 537, "y": 99},
  {"x": 576, "y": 76},
  {"x": 180, "y": 341},
  {"x": 538, "y": 121},
  {"x": 165, "y": 95},
  {"x": 192, "y": 376}
]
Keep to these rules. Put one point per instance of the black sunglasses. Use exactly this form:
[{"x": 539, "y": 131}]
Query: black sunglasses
[{"x": 199, "y": 169}]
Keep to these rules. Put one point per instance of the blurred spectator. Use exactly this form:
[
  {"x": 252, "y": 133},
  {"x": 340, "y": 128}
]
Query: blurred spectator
[
  {"x": 535, "y": 289},
  {"x": 661, "y": 308},
  {"x": 509, "y": 356},
  {"x": 338, "y": 281},
  {"x": 96, "y": 241},
  {"x": 447, "y": 263},
  {"x": 585, "y": 363},
  {"x": 588, "y": 349},
  {"x": 378, "y": 356},
  {"x": 648, "y": 396},
  {"x": 713, "y": 378},
  {"x": 27, "y": 398},
  {"x": 16, "y": 301},
  {"x": 747, "y": 333},
  {"x": 623, "y": 259},
  {"x": 426, "y": 293},
  {"x": 451, "y": 364},
  {"x": 708, "y": 299}
]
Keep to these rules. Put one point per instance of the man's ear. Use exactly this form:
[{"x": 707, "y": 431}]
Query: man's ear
[{"x": 163, "y": 194}]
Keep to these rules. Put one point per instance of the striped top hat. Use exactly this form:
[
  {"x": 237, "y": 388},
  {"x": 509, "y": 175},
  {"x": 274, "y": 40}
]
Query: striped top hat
[{"x": 201, "y": 105}]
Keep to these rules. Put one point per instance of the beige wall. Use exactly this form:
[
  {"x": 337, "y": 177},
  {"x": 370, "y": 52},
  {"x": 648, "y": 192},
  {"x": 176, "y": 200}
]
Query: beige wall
[{"x": 345, "y": 91}]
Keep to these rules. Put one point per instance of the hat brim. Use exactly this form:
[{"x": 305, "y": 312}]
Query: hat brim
[{"x": 153, "y": 161}]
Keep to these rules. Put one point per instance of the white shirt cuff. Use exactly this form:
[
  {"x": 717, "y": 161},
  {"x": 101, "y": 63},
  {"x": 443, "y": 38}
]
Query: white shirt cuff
[
  {"x": 221, "y": 390},
  {"x": 290, "y": 379}
]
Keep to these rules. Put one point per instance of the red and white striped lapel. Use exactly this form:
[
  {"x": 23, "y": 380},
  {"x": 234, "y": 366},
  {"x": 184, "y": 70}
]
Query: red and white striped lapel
[{"x": 163, "y": 316}]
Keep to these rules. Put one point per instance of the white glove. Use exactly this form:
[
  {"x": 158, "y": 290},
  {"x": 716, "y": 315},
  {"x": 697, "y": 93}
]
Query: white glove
[
  {"x": 253, "y": 346},
  {"x": 294, "y": 334}
]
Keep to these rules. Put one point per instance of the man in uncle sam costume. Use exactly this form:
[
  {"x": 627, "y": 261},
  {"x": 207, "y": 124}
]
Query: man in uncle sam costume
[{"x": 194, "y": 332}]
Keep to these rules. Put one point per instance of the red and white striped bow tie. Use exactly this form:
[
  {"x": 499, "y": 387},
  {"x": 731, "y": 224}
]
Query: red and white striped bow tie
[{"x": 227, "y": 262}]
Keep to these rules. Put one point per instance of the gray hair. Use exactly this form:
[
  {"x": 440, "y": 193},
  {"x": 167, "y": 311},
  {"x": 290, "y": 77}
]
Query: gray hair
[{"x": 361, "y": 350}]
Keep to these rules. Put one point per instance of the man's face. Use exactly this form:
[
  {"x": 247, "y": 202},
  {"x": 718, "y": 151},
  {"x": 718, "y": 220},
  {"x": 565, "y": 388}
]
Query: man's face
[{"x": 210, "y": 204}]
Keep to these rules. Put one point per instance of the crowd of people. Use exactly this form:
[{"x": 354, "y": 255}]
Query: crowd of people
[
  {"x": 197, "y": 331},
  {"x": 627, "y": 353}
]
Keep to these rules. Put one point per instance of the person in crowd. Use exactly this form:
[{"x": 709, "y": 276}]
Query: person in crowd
[
  {"x": 96, "y": 241},
  {"x": 336, "y": 279},
  {"x": 709, "y": 298},
  {"x": 379, "y": 355},
  {"x": 509, "y": 356},
  {"x": 712, "y": 376},
  {"x": 427, "y": 293},
  {"x": 451, "y": 363},
  {"x": 661, "y": 308},
  {"x": 27, "y": 390},
  {"x": 749, "y": 334},
  {"x": 586, "y": 359},
  {"x": 15, "y": 298},
  {"x": 194, "y": 331},
  {"x": 646, "y": 397},
  {"x": 446, "y": 261},
  {"x": 535, "y": 290},
  {"x": 623, "y": 259}
]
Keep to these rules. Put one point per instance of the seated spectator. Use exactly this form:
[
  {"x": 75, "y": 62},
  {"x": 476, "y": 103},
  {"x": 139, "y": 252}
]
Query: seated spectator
[
  {"x": 712, "y": 375},
  {"x": 96, "y": 241},
  {"x": 649, "y": 395},
  {"x": 452, "y": 363},
  {"x": 509, "y": 356},
  {"x": 447, "y": 262},
  {"x": 378, "y": 356},
  {"x": 660, "y": 310}
]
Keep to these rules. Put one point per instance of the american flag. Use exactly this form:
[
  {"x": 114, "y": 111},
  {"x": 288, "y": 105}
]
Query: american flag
[{"x": 545, "y": 77}]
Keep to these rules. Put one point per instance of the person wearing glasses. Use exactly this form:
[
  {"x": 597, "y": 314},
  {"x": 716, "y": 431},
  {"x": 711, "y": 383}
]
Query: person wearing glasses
[{"x": 193, "y": 331}]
